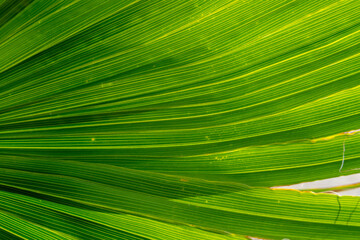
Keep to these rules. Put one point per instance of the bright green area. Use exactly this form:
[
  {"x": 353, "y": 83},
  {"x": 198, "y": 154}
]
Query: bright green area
[{"x": 139, "y": 119}]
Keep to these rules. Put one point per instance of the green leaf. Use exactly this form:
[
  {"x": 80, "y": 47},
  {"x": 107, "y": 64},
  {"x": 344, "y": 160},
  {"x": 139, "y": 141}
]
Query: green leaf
[{"x": 171, "y": 119}]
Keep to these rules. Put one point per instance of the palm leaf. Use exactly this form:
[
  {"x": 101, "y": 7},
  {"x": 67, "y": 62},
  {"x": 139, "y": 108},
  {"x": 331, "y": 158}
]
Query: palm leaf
[{"x": 171, "y": 119}]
